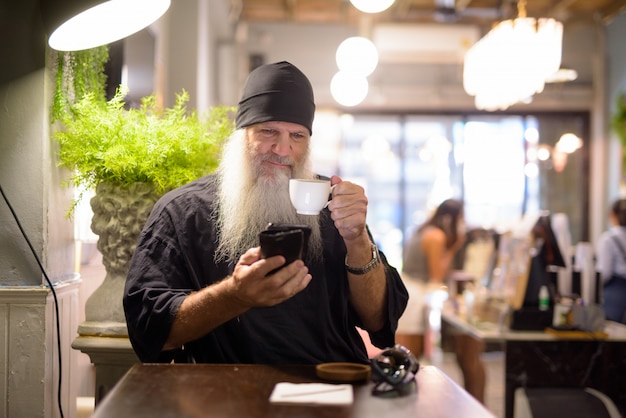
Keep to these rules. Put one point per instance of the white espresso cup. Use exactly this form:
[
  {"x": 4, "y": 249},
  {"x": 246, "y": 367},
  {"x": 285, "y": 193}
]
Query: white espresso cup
[{"x": 309, "y": 196}]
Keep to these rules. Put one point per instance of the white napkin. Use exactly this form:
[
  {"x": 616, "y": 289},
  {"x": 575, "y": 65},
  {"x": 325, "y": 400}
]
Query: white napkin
[{"x": 312, "y": 394}]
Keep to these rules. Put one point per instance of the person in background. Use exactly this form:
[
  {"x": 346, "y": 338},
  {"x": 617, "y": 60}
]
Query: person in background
[
  {"x": 427, "y": 261},
  {"x": 198, "y": 289},
  {"x": 432, "y": 247},
  {"x": 611, "y": 263}
]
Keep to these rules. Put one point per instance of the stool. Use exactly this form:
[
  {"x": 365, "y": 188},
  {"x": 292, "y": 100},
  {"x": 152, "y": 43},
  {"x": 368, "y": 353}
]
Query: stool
[{"x": 563, "y": 402}]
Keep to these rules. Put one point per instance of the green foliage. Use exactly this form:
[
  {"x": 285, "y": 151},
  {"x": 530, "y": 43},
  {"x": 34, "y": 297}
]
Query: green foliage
[
  {"x": 618, "y": 124},
  {"x": 78, "y": 73},
  {"x": 103, "y": 142}
]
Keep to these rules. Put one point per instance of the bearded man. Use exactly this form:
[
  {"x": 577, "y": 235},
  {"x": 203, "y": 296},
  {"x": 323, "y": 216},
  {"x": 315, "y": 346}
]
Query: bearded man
[{"x": 198, "y": 285}]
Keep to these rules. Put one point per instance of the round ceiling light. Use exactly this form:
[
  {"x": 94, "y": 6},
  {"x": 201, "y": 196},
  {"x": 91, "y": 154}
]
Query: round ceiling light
[
  {"x": 348, "y": 89},
  {"x": 357, "y": 55},
  {"x": 372, "y": 6},
  {"x": 106, "y": 22}
]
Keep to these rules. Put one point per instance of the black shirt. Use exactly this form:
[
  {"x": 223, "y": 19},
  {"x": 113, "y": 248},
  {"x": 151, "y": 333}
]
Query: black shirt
[{"x": 175, "y": 256}]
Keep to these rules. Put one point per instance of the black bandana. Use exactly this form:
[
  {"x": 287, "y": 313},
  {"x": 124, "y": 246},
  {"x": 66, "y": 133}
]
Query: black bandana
[{"x": 276, "y": 92}]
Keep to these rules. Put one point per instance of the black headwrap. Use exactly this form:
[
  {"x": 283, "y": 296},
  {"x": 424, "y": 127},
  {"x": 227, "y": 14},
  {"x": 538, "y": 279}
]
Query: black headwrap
[{"x": 276, "y": 92}]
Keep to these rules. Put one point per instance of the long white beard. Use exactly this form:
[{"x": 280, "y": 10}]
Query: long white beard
[{"x": 249, "y": 199}]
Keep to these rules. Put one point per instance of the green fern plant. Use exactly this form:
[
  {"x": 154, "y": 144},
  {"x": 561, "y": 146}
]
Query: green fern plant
[
  {"x": 104, "y": 142},
  {"x": 78, "y": 73}
]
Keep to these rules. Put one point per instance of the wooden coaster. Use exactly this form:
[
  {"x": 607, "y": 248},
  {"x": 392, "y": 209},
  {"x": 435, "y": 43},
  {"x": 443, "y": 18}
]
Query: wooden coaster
[{"x": 343, "y": 372}]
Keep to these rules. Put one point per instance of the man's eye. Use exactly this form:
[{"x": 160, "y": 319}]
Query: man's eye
[
  {"x": 298, "y": 136},
  {"x": 267, "y": 131}
]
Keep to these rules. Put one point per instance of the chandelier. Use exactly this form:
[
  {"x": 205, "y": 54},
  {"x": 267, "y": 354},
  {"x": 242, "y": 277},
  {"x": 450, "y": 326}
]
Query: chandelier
[{"x": 512, "y": 62}]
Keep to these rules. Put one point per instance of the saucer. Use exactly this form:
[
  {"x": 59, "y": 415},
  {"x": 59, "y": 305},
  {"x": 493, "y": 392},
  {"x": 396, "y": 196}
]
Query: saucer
[{"x": 343, "y": 372}]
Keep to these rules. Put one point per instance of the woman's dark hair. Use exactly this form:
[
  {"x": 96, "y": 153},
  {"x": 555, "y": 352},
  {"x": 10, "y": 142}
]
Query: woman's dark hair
[
  {"x": 446, "y": 218},
  {"x": 619, "y": 210}
]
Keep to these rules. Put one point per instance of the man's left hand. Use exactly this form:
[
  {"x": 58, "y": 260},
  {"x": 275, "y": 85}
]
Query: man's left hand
[{"x": 348, "y": 208}]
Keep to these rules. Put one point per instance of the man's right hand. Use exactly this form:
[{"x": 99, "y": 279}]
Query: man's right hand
[{"x": 254, "y": 288}]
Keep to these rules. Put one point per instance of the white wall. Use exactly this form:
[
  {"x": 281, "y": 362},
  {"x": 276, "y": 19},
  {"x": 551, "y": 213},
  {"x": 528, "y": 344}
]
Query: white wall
[
  {"x": 28, "y": 173},
  {"x": 32, "y": 183}
]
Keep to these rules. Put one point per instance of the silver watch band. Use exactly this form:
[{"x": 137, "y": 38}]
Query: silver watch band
[{"x": 375, "y": 261}]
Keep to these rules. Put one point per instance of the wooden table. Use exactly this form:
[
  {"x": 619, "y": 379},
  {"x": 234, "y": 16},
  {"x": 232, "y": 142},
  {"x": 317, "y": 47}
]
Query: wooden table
[
  {"x": 242, "y": 391},
  {"x": 536, "y": 359}
]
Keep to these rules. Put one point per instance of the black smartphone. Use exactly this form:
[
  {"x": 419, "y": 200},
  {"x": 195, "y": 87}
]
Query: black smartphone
[
  {"x": 306, "y": 230},
  {"x": 288, "y": 243}
]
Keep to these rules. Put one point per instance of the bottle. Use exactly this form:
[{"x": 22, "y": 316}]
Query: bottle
[{"x": 544, "y": 298}]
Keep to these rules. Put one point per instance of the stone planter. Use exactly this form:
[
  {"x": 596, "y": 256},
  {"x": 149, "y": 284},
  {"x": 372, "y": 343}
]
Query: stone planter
[{"x": 119, "y": 214}]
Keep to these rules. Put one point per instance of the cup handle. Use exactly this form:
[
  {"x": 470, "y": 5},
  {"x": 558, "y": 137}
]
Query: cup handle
[{"x": 331, "y": 196}]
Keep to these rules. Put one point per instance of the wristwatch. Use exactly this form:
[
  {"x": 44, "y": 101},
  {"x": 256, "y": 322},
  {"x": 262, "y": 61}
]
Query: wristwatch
[{"x": 366, "y": 268}]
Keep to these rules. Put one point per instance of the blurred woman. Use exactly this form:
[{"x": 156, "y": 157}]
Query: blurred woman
[
  {"x": 427, "y": 259},
  {"x": 427, "y": 262},
  {"x": 432, "y": 247}
]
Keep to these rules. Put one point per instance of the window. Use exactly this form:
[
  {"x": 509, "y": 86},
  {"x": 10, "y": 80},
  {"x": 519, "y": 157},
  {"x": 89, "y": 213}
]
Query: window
[{"x": 408, "y": 164}]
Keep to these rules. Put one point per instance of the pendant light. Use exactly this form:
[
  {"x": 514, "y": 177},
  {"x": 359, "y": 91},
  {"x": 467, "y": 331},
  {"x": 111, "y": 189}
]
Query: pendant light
[{"x": 74, "y": 25}]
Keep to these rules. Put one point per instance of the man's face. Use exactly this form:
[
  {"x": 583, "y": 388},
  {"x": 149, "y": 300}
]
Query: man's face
[
  {"x": 277, "y": 148},
  {"x": 255, "y": 169}
]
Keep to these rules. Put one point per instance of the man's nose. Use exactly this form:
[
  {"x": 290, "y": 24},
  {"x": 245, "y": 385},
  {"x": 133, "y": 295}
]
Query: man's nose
[{"x": 282, "y": 145}]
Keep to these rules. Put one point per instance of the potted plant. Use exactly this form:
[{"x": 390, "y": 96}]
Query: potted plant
[
  {"x": 130, "y": 157},
  {"x": 103, "y": 142}
]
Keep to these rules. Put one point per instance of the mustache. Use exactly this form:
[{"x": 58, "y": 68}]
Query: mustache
[{"x": 273, "y": 158}]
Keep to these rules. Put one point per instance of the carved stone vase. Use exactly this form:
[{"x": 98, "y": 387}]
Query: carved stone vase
[{"x": 119, "y": 214}]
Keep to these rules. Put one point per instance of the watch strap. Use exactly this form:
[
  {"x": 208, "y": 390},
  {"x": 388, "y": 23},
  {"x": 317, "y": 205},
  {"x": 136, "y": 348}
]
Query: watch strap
[{"x": 374, "y": 262}]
